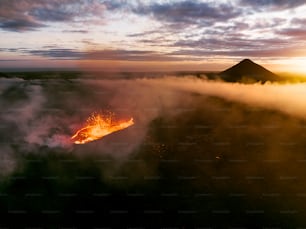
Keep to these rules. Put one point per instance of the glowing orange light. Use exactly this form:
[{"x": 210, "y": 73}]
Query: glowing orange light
[{"x": 98, "y": 126}]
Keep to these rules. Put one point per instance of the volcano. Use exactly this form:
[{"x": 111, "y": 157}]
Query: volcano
[{"x": 247, "y": 71}]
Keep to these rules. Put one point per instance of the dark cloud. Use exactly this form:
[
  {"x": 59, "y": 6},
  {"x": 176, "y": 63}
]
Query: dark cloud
[
  {"x": 298, "y": 21},
  {"x": 22, "y": 15},
  {"x": 294, "y": 32},
  {"x": 50, "y": 46},
  {"x": 127, "y": 55},
  {"x": 45, "y": 14},
  {"x": 131, "y": 55},
  {"x": 144, "y": 33},
  {"x": 255, "y": 52},
  {"x": 89, "y": 42},
  {"x": 161, "y": 37},
  {"x": 75, "y": 31},
  {"x": 274, "y": 4},
  {"x": 233, "y": 45},
  {"x": 57, "y": 53},
  {"x": 8, "y": 60},
  {"x": 19, "y": 24},
  {"x": 231, "y": 41},
  {"x": 185, "y": 13},
  {"x": 115, "y": 4},
  {"x": 155, "y": 42}
]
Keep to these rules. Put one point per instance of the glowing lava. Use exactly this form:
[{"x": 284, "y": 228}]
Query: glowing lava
[{"x": 98, "y": 126}]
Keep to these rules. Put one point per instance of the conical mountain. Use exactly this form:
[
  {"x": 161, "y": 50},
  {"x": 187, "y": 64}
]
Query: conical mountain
[{"x": 248, "y": 71}]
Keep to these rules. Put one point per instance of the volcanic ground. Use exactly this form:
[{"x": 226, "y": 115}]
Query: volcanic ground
[{"x": 190, "y": 159}]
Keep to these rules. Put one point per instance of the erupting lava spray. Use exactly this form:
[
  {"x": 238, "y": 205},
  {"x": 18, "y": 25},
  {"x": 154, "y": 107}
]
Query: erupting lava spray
[{"x": 99, "y": 125}]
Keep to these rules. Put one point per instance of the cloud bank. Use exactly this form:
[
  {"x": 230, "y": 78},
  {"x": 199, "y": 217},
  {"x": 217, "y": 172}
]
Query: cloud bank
[
  {"x": 286, "y": 98},
  {"x": 26, "y": 15}
]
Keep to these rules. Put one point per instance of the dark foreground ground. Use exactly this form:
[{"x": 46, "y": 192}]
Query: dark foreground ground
[{"x": 214, "y": 164}]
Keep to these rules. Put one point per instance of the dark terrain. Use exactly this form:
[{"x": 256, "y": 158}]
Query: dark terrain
[{"x": 213, "y": 164}]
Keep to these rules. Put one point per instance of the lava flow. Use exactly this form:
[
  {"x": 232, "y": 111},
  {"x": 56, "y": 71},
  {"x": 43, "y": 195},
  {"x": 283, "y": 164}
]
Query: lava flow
[{"x": 98, "y": 126}]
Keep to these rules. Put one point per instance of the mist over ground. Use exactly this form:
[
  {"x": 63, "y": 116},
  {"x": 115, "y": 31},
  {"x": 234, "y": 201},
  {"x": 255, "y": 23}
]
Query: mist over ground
[{"x": 201, "y": 153}]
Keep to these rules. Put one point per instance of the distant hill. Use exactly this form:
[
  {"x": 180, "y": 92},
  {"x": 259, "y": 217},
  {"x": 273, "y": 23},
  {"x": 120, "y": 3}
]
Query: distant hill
[{"x": 247, "y": 71}]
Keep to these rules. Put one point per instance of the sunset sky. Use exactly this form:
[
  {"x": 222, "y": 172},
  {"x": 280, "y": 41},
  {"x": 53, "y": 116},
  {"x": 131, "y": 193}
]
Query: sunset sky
[{"x": 147, "y": 35}]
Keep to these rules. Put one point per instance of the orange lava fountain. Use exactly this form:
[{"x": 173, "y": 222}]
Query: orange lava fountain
[{"x": 98, "y": 126}]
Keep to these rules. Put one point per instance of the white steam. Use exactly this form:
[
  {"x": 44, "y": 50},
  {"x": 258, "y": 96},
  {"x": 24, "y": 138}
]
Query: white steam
[
  {"x": 287, "y": 98},
  {"x": 24, "y": 122}
]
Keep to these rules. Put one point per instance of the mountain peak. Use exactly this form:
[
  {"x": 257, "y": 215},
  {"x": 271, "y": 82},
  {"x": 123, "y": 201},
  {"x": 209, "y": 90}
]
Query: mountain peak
[
  {"x": 246, "y": 61},
  {"x": 247, "y": 70}
]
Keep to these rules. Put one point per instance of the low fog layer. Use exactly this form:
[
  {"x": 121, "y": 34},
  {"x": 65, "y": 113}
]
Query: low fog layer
[{"x": 287, "y": 98}]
